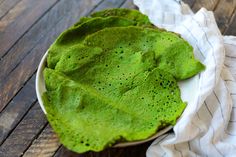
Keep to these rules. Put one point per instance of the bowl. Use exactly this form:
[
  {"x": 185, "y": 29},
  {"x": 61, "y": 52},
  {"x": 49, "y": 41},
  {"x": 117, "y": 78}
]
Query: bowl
[{"x": 40, "y": 89}]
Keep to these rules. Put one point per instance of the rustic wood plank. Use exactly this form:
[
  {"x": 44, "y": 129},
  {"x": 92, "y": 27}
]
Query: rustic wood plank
[
  {"x": 45, "y": 145},
  {"x": 5, "y": 6},
  {"x": 231, "y": 28},
  {"x": 109, "y": 4},
  {"x": 19, "y": 20},
  {"x": 32, "y": 37},
  {"x": 17, "y": 108},
  {"x": 190, "y": 2},
  {"x": 129, "y": 4},
  {"x": 209, "y": 4},
  {"x": 223, "y": 13},
  {"x": 16, "y": 79},
  {"x": 22, "y": 136}
]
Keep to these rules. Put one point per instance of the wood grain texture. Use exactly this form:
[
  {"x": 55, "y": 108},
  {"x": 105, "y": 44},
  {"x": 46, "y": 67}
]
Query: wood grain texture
[
  {"x": 5, "y": 6},
  {"x": 17, "y": 108},
  {"x": 231, "y": 28},
  {"x": 45, "y": 145},
  {"x": 19, "y": 20},
  {"x": 208, "y": 4},
  {"x": 23, "y": 135},
  {"x": 106, "y": 4},
  {"x": 128, "y": 4},
  {"x": 37, "y": 32},
  {"x": 189, "y": 2},
  {"x": 17, "y": 78},
  {"x": 223, "y": 13}
]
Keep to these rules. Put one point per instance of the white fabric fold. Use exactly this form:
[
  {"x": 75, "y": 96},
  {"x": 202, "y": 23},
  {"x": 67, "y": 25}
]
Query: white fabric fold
[{"x": 207, "y": 127}]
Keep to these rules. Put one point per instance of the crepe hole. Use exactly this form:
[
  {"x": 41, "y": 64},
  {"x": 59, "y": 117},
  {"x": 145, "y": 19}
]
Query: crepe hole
[
  {"x": 121, "y": 57},
  {"x": 161, "y": 83},
  {"x": 116, "y": 52},
  {"x": 121, "y": 47},
  {"x": 120, "y": 83},
  {"x": 68, "y": 56},
  {"x": 81, "y": 141},
  {"x": 109, "y": 84},
  {"x": 122, "y": 51},
  {"x": 108, "y": 73},
  {"x": 146, "y": 41},
  {"x": 129, "y": 44},
  {"x": 99, "y": 82},
  {"x": 87, "y": 144},
  {"x": 142, "y": 97},
  {"x": 106, "y": 65},
  {"x": 99, "y": 88},
  {"x": 118, "y": 66},
  {"x": 82, "y": 57}
]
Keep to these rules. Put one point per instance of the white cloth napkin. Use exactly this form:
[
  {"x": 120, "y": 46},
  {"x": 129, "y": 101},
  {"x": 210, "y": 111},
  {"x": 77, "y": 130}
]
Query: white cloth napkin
[{"x": 207, "y": 127}]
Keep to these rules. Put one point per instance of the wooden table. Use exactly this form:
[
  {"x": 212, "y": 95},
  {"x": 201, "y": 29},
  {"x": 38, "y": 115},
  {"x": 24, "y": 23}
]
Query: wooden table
[{"x": 27, "y": 28}]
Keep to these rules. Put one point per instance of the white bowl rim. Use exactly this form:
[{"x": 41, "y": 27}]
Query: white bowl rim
[{"x": 40, "y": 88}]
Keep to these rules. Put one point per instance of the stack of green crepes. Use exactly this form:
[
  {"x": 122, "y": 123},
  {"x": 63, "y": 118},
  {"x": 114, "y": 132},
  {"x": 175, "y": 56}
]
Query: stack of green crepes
[{"x": 113, "y": 77}]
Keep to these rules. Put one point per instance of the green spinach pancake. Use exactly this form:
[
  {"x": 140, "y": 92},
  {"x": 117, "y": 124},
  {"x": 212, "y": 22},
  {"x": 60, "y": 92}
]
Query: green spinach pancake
[{"x": 113, "y": 78}]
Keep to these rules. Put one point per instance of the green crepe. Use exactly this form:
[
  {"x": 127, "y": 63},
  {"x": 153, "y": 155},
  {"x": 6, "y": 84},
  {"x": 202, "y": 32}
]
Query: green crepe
[
  {"x": 107, "y": 84},
  {"x": 133, "y": 15},
  {"x": 170, "y": 52},
  {"x": 95, "y": 112},
  {"x": 130, "y": 14},
  {"x": 107, "y": 18},
  {"x": 75, "y": 35}
]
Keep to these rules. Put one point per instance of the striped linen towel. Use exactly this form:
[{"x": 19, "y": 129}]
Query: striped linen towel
[{"x": 207, "y": 127}]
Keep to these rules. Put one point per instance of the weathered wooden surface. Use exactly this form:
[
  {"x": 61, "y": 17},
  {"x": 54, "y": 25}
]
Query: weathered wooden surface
[{"x": 27, "y": 28}]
